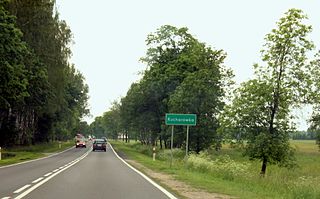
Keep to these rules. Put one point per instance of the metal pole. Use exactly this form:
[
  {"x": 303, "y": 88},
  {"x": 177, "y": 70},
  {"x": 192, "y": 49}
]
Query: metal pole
[
  {"x": 187, "y": 143},
  {"x": 172, "y": 127},
  {"x": 0, "y": 152}
]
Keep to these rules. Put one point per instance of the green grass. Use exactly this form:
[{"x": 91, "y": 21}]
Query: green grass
[
  {"x": 228, "y": 172},
  {"x": 24, "y": 153}
]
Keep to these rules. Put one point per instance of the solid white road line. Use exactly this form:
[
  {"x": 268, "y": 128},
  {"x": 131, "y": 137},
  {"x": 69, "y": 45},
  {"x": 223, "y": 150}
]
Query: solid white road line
[
  {"x": 46, "y": 175},
  {"x": 47, "y": 179},
  {"x": 22, "y": 188},
  {"x": 167, "y": 193},
  {"x": 37, "y": 180},
  {"x": 11, "y": 165}
]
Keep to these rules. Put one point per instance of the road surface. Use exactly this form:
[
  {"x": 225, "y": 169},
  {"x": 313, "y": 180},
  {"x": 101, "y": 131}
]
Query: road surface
[{"x": 77, "y": 173}]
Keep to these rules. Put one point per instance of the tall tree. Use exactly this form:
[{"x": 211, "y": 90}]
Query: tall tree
[
  {"x": 315, "y": 117},
  {"x": 13, "y": 77},
  {"x": 202, "y": 92},
  {"x": 262, "y": 107},
  {"x": 56, "y": 93}
]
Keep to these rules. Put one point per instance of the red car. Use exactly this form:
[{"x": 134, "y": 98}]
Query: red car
[{"x": 80, "y": 143}]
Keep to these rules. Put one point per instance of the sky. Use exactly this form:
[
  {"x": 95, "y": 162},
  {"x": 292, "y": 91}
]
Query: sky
[{"x": 109, "y": 37}]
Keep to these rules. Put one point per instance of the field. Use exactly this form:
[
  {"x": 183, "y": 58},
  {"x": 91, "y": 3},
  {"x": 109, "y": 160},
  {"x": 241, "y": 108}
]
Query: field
[
  {"x": 21, "y": 154},
  {"x": 228, "y": 172}
]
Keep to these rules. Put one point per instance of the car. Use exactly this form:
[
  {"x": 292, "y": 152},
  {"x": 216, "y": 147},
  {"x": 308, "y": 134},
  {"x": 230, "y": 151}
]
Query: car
[
  {"x": 80, "y": 143},
  {"x": 105, "y": 139},
  {"x": 99, "y": 144}
]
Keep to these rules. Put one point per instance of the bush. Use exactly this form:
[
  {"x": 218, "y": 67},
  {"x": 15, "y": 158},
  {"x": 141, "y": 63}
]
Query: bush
[
  {"x": 222, "y": 166},
  {"x": 7, "y": 155}
]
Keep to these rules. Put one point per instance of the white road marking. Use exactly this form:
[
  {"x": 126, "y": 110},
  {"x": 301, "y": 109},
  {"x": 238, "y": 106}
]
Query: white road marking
[
  {"x": 37, "y": 180},
  {"x": 26, "y": 192},
  {"x": 22, "y": 188},
  {"x": 46, "y": 175},
  {"x": 55, "y": 170},
  {"x": 11, "y": 165},
  {"x": 60, "y": 167},
  {"x": 6, "y": 198},
  {"x": 167, "y": 193}
]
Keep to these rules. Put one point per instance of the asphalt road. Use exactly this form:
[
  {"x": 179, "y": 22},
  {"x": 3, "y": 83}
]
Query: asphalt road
[{"x": 77, "y": 173}]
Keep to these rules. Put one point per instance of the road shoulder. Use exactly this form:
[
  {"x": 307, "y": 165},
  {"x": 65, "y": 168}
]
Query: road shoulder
[{"x": 183, "y": 189}]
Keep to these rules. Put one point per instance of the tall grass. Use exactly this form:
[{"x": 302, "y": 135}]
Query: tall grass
[{"x": 229, "y": 172}]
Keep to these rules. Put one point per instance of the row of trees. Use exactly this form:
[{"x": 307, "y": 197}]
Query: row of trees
[
  {"x": 183, "y": 76},
  {"x": 42, "y": 95},
  {"x": 186, "y": 76}
]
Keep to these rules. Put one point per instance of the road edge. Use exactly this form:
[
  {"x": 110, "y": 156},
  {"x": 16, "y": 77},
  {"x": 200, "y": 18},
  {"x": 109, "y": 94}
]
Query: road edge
[
  {"x": 163, "y": 190},
  {"x": 15, "y": 164}
]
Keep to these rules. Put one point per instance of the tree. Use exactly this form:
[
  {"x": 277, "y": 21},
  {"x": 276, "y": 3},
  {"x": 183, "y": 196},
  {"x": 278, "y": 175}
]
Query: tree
[
  {"x": 315, "y": 117},
  {"x": 262, "y": 107},
  {"x": 112, "y": 121},
  {"x": 13, "y": 77},
  {"x": 45, "y": 97},
  {"x": 202, "y": 93}
]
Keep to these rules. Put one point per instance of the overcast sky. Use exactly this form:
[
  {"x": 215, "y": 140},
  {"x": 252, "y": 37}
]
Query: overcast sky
[{"x": 109, "y": 36}]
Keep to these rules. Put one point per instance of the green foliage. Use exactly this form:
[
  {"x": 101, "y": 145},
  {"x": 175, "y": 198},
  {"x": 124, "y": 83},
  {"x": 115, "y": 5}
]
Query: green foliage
[
  {"x": 183, "y": 75},
  {"x": 261, "y": 109},
  {"x": 97, "y": 127},
  {"x": 42, "y": 96}
]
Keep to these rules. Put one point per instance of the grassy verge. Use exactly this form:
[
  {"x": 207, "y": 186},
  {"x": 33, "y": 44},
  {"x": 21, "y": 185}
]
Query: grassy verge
[
  {"x": 228, "y": 172},
  {"x": 25, "y": 153}
]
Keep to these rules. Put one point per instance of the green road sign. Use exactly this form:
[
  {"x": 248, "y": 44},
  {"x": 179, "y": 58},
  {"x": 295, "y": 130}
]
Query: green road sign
[{"x": 181, "y": 119}]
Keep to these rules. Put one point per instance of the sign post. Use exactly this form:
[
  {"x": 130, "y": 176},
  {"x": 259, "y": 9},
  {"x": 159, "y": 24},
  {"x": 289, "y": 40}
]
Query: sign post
[
  {"x": 184, "y": 120},
  {"x": 187, "y": 143},
  {"x": 171, "y": 145}
]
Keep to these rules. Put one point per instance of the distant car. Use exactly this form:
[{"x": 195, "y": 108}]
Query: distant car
[
  {"x": 104, "y": 138},
  {"x": 99, "y": 144},
  {"x": 81, "y": 143}
]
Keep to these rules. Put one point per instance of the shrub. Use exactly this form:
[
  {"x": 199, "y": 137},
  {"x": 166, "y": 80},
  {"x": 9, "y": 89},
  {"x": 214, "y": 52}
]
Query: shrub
[{"x": 222, "y": 166}]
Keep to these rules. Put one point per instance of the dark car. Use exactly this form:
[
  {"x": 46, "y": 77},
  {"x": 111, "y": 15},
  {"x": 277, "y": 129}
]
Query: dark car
[{"x": 99, "y": 144}]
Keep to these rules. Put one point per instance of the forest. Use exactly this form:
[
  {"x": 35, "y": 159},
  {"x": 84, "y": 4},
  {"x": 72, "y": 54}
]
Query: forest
[{"x": 43, "y": 97}]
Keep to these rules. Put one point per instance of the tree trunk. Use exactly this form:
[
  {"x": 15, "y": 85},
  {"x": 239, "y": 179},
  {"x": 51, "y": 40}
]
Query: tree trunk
[
  {"x": 198, "y": 145},
  {"x": 263, "y": 168},
  {"x": 160, "y": 138}
]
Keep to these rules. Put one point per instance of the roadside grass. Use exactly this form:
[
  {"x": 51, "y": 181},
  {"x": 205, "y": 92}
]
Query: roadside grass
[
  {"x": 228, "y": 172},
  {"x": 24, "y": 153}
]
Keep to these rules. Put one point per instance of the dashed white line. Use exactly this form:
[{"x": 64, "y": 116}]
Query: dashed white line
[
  {"x": 26, "y": 192},
  {"x": 46, "y": 175},
  {"x": 22, "y": 188},
  {"x": 6, "y": 198},
  {"x": 55, "y": 170},
  {"x": 37, "y": 180}
]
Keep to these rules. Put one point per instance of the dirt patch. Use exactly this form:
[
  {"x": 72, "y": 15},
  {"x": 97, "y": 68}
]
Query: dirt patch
[{"x": 182, "y": 188}]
